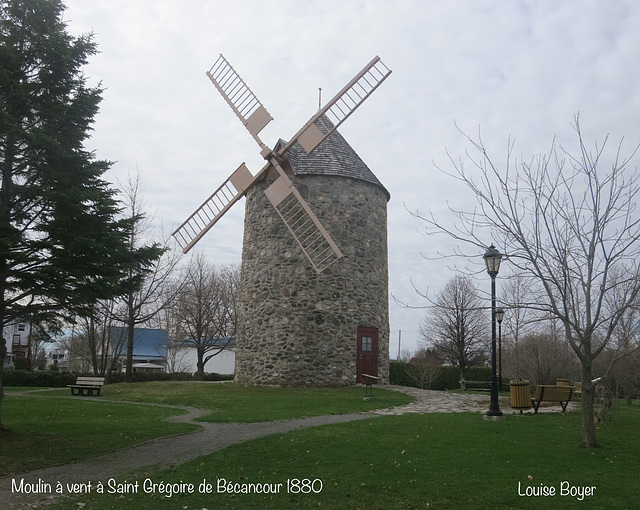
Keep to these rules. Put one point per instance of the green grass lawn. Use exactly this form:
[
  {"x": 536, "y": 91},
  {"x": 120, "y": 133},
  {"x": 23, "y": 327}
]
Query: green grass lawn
[
  {"x": 49, "y": 427},
  {"x": 234, "y": 403},
  {"x": 46, "y": 430},
  {"x": 443, "y": 461},
  {"x": 23, "y": 389}
]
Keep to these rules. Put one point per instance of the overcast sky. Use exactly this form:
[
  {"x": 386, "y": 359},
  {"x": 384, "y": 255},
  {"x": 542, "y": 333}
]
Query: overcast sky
[{"x": 509, "y": 68}]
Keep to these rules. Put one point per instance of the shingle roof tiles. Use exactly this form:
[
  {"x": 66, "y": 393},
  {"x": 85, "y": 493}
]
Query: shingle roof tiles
[{"x": 334, "y": 156}]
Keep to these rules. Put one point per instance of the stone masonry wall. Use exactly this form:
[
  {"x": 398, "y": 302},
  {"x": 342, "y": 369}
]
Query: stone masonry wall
[{"x": 297, "y": 327}]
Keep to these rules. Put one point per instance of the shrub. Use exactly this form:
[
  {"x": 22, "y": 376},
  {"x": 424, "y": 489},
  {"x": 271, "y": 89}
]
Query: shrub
[
  {"x": 46, "y": 378},
  {"x": 400, "y": 373},
  {"x": 51, "y": 379},
  {"x": 164, "y": 376},
  {"x": 21, "y": 364}
]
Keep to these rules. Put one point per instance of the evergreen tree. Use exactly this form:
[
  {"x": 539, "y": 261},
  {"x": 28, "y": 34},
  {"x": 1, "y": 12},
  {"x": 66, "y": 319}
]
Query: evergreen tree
[{"x": 62, "y": 241}]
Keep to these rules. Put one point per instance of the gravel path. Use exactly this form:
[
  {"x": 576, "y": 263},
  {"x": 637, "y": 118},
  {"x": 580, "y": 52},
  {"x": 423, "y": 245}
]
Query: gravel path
[{"x": 170, "y": 451}]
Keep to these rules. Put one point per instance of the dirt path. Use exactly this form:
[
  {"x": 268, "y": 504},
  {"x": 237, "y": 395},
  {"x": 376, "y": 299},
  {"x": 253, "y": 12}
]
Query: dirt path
[{"x": 175, "y": 450}]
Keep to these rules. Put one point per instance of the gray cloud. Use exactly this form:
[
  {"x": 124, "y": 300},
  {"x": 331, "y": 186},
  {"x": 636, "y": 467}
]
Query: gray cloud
[{"x": 519, "y": 68}]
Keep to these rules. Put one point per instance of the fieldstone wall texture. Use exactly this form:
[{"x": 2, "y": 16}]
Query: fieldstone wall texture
[{"x": 297, "y": 327}]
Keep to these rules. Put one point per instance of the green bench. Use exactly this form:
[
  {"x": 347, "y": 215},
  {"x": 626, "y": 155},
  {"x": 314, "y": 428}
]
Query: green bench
[
  {"x": 88, "y": 385},
  {"x": 549, "y": 393}
]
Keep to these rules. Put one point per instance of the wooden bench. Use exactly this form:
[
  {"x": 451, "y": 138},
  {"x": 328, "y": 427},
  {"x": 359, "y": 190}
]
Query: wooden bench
[
  {"x": 577, "y": 389},
  {"x": 549, "y": 393},
  {"x": 88, "y": 384},
  {"x": 476, "y": 385}
]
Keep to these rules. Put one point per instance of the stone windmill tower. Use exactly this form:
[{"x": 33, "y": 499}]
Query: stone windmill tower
[{"x": 314, "y": 274}]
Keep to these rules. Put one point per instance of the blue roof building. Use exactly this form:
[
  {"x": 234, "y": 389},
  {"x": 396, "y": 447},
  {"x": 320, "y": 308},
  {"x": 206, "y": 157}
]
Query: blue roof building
[{"x": 149, "y": 347}]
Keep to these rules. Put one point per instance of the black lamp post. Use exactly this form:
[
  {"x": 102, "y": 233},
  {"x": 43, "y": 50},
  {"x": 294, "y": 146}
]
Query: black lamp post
[
  {"x": 499, "y": 317},
  {"x": 492, "y": 259}
]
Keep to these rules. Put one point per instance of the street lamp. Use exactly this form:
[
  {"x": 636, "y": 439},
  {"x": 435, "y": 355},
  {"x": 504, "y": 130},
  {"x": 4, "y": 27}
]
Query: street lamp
[
  {"x": 492, "y": 259},
  {"x": 499, "y": 317}
]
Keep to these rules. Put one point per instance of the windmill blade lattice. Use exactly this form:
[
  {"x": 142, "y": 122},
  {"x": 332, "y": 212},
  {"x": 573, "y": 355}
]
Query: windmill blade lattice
[
  {"x": 343, "y": 104},
  {"x": 303, "y": 224},
  {"x": 206, "y": 216},
  {"x": 305, "y": 227},
  {"x": 244, "y": 103}
]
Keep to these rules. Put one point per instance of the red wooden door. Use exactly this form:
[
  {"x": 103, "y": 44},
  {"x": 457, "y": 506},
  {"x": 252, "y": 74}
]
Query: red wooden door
[{"x": 367, "y": 360}]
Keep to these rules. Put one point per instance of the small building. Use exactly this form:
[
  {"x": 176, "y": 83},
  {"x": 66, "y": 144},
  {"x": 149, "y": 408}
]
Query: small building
[
  {"x": 18, "y": 341},
  {"x": 59, "y": 358},
  {"x": 149, "y": 348},
  {"x": 184, "y": 358}
]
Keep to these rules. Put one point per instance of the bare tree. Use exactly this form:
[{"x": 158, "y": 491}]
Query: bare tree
[
  {"x": 519, "y": 320},
  {"x": 540, "y": 358},
  {"x": 627, "y": 374},
  {"x": 176, "y": 358},
  {"x": 423, "y": 368},
  {"x": 104, "y": 347},
  {"x": 207, "y": 309},
  {"x": 456, "y": 326},
  {"x": 39, "y": 338},
  {"x": 92, "y": 345},
  {"x": 153, "y": 290},
  {"x": 626, "y": 356},
  {"x": 569, "y": 222},
  {"x": 167, "y": 319}
]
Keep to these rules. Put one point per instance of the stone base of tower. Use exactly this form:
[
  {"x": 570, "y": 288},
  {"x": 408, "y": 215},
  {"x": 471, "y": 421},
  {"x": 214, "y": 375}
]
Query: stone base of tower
[
  {"x": 301, "y": 328},
  {"x": 323, "y": 362}
]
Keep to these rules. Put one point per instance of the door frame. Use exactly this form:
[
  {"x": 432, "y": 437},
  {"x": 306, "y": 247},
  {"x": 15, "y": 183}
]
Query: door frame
[{"x": 363, "y": 351}]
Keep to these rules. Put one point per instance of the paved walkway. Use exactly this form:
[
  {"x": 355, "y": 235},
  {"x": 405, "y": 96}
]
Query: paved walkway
[{"x": 171, "y": 451}]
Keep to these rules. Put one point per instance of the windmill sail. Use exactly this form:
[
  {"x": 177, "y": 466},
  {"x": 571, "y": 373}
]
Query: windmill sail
[
  {"x": 307, "y": 230},
  {"x": 206, "y": 216},
  {"x": 244, "y": 103},
  {"x": 305, "y": 227},
  {"x": 343, "y": 104}
]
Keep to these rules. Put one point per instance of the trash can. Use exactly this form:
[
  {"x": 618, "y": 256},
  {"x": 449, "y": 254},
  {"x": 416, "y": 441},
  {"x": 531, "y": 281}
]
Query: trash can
[
  {"x": 520, "y": 395},
  {"x": 563, "y": 382}
]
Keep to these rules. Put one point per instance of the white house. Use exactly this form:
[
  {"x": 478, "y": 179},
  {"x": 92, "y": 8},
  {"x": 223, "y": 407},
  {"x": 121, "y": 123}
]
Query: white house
[
  {"x": 185, "y": 358},
  {"x": 59, "y": 357},
  {"x": 18, "y": 342}
]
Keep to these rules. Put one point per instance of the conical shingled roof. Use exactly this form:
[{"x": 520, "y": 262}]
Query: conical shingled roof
[{"x": 334, "y": 156}]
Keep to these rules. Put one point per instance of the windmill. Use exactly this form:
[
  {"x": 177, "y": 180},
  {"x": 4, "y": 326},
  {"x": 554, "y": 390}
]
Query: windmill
[{"x": 300, "y": 220}]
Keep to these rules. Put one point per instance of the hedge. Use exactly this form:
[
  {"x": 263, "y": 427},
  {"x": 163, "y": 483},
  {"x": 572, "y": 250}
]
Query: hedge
[
  {"x": 407, "y": 374},
  {"x": 164, "y": 376},
  {"x": 56, "y": 379},
  {"x": 400, "y": 373},
  {"x": 44, "y": 378}
]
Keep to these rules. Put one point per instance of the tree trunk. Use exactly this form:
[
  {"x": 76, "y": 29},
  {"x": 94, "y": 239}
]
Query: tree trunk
[
  {"x": 3, "y": 355},
  {"x": 2, "y": 427},
  {"x": 200, "y": 366},
  {"x": 129, "y": 365},
  {"x": 93, "y": 342},
  {"x": 6, "y": 201},
  {"x": 588, "y": 422}
]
